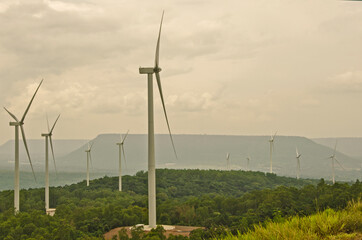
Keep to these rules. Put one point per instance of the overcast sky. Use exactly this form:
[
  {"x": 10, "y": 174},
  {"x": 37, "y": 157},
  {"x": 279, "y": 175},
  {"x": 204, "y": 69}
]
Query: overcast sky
[{"x": 236, "y": 67}]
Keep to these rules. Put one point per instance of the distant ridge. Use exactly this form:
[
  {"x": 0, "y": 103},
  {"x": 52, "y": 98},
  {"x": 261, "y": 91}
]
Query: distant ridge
[
  {"x": 195, "y": 151},
  {"x": 347, "y": 145},
  {"x": 209, "y": 151}
]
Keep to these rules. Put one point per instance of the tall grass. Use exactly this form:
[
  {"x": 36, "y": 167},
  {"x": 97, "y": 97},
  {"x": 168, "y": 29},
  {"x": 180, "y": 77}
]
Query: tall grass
[{"x": 329, "y": 224}]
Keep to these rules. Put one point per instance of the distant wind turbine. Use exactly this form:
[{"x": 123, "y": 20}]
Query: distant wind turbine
[
  {"x": 121, "y": 150},
  {"x": 333, "y": 158},
  {"x": 48, "y": 136},
  {"x": 16, "y": 124},
  {"x": 89, "y": 158},
  {"x": 271, "y": 142},
  {"x": 247, "y": 163},
  {"x": 298, "y": 162},
  {"x": 227, "y": 161},
  {"x": 151, "y": 146}
]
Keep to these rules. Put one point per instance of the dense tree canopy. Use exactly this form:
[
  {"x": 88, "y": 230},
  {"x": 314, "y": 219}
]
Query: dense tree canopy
[{"x": 217, "y": 200}]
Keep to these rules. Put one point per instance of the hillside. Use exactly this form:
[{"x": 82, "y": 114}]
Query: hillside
[
  {"x": 329, "y": 224},
  {"x": 37, "y": 151},
  {"x": 209, "y": 152},
  {"x": 194, "y": 152}
]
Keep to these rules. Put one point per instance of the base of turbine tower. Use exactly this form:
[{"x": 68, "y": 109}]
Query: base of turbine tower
[
  {"x": 174, "y": 230},
  {"x": 51, "y": 212}
]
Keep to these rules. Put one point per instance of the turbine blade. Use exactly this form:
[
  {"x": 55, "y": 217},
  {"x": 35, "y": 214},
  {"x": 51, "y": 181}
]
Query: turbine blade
[
  {"x": 125, "y": 136},
  {"x": 48, "y": 123},
  {"x": 12, "y": 115},
  {"x": 51, "y": 147},
  {"x": 124, "y": 156},
  {"x": 90, "y": 158},
  {"x": 158, "y": 44},
  {"x": 339, "y": 164},
  {"x": 296, "y": 150},
  {"x": 54, "y": 124},
  {"x": 27, "y": 150},
  {"x": 335, "y": 148},
  {"x": 275, "y": 134},
  {"x": 91, "y": 145},
  {"x": 27, "y": 109},
  {"x": 164, "y": 110}
]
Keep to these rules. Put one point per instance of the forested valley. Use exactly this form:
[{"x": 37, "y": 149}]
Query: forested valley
[{"x": 224, "y": 202}]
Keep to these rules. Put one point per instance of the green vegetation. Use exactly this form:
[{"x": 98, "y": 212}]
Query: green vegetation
[
  {"x": 222, "y": 201},
  {"x": 329, "y": 224}
]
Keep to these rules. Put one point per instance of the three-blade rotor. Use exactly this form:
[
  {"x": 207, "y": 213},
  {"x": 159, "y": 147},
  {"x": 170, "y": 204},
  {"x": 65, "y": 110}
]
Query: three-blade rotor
[
  {"x": 89, "y": 152},
  {"x": 21, "y": 123},
  {"x": 298, "y": 155},
  {"x": 333, "y": 157},
  {"x": 122, "y": 147},
  {"x": 50, "y": 133}
]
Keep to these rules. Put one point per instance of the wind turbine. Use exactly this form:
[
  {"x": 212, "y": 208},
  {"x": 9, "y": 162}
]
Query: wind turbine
[
  {"x": 333, "y": 158},
  {"x": 89, "y": 158},
  {"x": 298, "y": 162},
  {"x": 121, "y": 150},
  {"x": 20, "y": 124},
  {"x": 227, "y": 161},
  {"x": 48, "y": 136},
  {"x": 247, "y": 163},
  {"x": 271, "y": 142},
  {"x": 151, "y": 137}
]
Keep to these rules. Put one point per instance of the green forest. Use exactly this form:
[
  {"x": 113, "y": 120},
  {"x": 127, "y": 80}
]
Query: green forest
[{"x": 224, "y": 202}]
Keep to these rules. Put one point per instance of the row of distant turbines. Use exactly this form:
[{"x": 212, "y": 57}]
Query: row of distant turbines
[{"x": 298, "y": 155}]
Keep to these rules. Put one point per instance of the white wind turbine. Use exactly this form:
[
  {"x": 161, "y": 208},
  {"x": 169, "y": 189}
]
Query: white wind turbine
[
  {"x": 271, "y": 142},
  {"x": 333, "y": 158},
  {"x": 298, "y": 155},
  {"x": 121, "y": 151},
  {"x": 247, "y": 163},
  {"x": 16, "y": 124},
  {"x": 89, "y": 158},
  {"x": 228, "y": 161},
  {"x": 151, "y": 146},
  {"x": 48, "y": 136}
]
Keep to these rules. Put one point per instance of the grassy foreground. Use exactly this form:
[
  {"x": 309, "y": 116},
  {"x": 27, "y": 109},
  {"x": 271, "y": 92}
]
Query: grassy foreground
[{"x": 329, "y": 224}]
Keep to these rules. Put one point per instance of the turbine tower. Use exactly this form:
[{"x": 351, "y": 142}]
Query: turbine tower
[
  {"x": 227, "y": 161},
  {"x": 271, "y": 142},
  {"x": 20, "y": 124},
  {"x": 121, "y": 150},
  {"x": 333, "y": 158},
  {"x": 151, "y": 145},
  {"x": 298, "y": 162},
  {"x": 89, "y": 158},
  {"x": 48, "y": 136}
]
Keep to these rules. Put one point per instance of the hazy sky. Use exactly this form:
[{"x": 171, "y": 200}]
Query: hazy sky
[{"x": 229, "y": 67}]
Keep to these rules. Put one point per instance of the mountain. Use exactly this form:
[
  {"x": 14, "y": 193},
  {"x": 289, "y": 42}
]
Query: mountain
[
  {"x": 37, "y": 151},
  {"x": 194, "y": 151},
  {"x": 348, "y": 146},
  {"x": 209, "y": 152}
]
